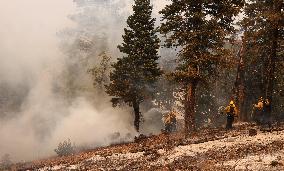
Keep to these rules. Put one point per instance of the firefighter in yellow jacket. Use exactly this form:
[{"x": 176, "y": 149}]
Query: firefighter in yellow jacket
[
  {"x": 170, "y": 122},
  {"x": 262, "y": 112},
  {"x": 258, "y": 111},
  {"x": 231, "y": 111}
]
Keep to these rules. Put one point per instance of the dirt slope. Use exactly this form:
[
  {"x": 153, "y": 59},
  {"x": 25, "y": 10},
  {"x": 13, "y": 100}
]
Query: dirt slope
[{"x": 209, "y": 149}]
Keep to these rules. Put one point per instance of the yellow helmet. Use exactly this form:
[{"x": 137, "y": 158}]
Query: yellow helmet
[{"x": 231, "y": 102}]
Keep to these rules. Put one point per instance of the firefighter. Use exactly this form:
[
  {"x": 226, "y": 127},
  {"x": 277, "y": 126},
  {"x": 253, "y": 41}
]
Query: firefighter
[
  {"x": 231, "y": 111},
  {"x": 258, "y": 111},
  {"x": 170, "y": 122},
  {"x": 259, "y": 104}
]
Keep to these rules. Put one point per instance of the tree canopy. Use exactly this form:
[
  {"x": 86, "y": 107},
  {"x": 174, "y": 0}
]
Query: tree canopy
[
  {"x": 200, "y": 29},
  {"x": 134, "y": 75}
]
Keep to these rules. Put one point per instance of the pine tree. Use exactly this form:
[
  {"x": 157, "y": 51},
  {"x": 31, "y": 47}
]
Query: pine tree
[
  {"x": 200, "y": 29},
  {"x": 134, "y": 76},
  {"x": 264, "y": 38},
  {"x": 263, "y": 26}
]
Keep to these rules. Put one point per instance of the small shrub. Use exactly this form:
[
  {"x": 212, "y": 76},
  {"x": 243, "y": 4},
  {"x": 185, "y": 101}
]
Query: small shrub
[
  {"x": 5, "y": 162},
  {"x": 65, "y": 148},
  {"x": 275, "y": 163},
  {"x": 252, "y": 132}
]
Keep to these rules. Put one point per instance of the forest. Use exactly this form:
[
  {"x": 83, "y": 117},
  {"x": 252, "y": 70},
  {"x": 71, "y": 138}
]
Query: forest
[
  {"x": 189, "y": 57},
  {"x": 216, "y": 57}
]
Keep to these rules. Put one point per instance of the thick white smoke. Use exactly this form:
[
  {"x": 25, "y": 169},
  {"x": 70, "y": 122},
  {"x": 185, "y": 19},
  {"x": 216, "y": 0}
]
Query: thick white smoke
[{"x": 32, "y": 62}]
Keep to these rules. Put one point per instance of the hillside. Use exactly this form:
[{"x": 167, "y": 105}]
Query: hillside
[{"x": 209, "y": 149}]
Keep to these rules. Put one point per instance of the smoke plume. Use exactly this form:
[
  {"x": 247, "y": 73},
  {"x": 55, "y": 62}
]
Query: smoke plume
[{"x": 37, "y": 48}]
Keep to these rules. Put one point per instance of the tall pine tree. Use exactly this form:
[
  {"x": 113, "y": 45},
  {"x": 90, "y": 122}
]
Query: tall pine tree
[
  {"x": 200, "y": 29},
  {"x": 263, "y": 26},
  {"x": 134, "y": 76}
]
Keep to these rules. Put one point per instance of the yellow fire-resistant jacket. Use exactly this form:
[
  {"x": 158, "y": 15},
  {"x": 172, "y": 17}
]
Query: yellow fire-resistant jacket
[
  {"x": 259, "y": 105},
  {"x": 169, "y": 117},
  {"x": 227, "y": 109}
]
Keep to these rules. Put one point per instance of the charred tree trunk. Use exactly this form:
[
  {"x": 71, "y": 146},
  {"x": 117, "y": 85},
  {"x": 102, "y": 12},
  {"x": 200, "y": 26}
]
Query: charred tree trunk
[
  {"x": 190, "y": 102},
  {"x": 273, "y": 55},
  {"x": 136, "y": 115},
  {"x": 240, "y": 87}
]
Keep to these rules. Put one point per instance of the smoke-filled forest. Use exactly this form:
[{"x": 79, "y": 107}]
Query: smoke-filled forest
[{"x": 140, "y": 78}]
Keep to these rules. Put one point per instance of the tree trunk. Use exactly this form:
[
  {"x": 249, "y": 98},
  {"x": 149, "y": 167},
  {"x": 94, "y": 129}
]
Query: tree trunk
[
  {"x": 271, "y": 67},
  {"x": 240, "y": 87},
  {"x": 273, "y": 54},
  {"x": 136, "y": 115},
  {"x": 189, "y": 116},
  {"x": 243, "y": 115}
]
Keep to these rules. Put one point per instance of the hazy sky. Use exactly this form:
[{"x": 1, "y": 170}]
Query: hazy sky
[{"x": 28, "y": 34}]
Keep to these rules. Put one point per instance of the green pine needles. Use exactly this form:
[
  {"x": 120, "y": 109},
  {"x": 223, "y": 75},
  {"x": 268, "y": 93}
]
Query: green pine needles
[{"x": 135, "y": 74}]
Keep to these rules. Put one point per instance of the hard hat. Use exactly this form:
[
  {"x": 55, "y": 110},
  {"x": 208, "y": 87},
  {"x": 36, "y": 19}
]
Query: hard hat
[{"x": 231, "y": 102}]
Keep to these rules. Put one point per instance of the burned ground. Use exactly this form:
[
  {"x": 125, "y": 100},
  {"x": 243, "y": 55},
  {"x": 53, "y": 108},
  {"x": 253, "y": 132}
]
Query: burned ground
[{"x": 209, "y": 149}]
